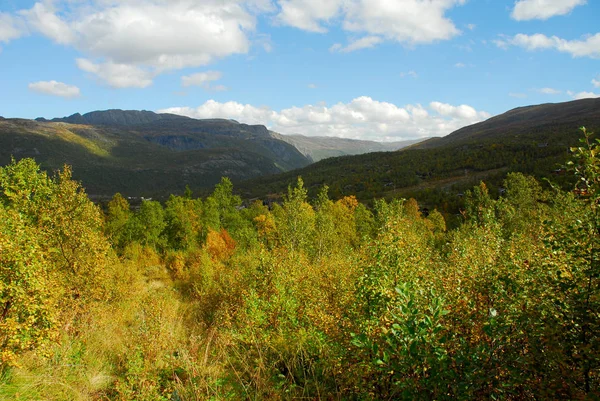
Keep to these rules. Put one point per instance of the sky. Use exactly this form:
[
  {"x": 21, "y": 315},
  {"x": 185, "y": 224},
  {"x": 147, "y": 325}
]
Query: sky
[{"x": 381, "y": 70}]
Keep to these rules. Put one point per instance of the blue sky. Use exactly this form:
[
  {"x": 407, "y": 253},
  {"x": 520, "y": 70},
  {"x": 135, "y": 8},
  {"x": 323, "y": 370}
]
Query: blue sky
[{"x": 370, "y": 69}]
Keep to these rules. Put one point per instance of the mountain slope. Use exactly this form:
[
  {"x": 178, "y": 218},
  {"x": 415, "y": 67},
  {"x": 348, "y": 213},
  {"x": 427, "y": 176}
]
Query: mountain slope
[
  {"x": 143, "y": 153},
  {"x": 533, "y": 140},
  {"x": 318, "y": 148},
  {"x": 539, "y": 122}
]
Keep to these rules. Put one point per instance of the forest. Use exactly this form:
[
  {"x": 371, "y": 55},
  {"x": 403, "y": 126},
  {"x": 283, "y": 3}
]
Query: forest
[{"x": 205, "y": 299}]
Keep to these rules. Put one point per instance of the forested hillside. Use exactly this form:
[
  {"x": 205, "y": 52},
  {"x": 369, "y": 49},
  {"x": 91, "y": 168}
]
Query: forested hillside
[
  {"x": 533, "y": 140},
  {"x": 317, "y": 148},
  {"x": 147, "y": 154},
  {"x": 312, "y": 298}
]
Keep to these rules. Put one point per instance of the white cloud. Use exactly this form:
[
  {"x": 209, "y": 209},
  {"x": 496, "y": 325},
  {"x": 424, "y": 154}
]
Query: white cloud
[
  {"x": 55, "y": 88},
  {"x": 460, "y": 65},
  {"x": 148, "y": 37},
  {"x": 312, "y": 86},
  {"x": 11, "y": 28},
  {"x": 461, "y": 112},
  {"x": 212, "y": 109},
  {"x": 361, "y": 118},
  {"x": 596, "y": 83},
  {"x": 471, "y": 27},
  {"x": 118, "y": 75},
  {"x": 548, "y": 91},
  {"x": 308, "y": 15},
  {"x": 543, "y": 9},
  {"x": 203, "y": 79},
  {"x": 405, "y": 21},
  {"x": 359, "y": 44},
  {"x": 589, "y": 46},
  {"x": 140, "y": 39},
  {"x": 43, "y": 18},
  {"x": 584, "y": 95}
]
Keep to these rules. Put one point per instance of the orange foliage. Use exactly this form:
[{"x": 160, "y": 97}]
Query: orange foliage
[
  {"x": 349, "y": 202},
  {"x": 219, "y": 245},
  {"x": 265, "y": 224}
]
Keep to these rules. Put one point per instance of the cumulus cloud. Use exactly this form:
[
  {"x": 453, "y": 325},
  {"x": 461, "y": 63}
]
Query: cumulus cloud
[
  {"x": 55, "y": 88},
  {"x": 596, "y": 82},
  {"x": 584, "y": 95},
  {"x": 404, "y": 21},
  {"x": 361, "y": 118},
  {"x": 11, "y": 27},
  {"x": 118, "y": 75},
  {"x": 140, "y": 39},
  {"x": 589, "y": 46},
  {"x": 308, "y": 15},
  {"x": 462, "y": 112},
  {"x": 203, "y": 79},
  {"x": 43, "y": 17},
  {"x": 543, "y": 9},
  {"x": 359, "y": 44}
]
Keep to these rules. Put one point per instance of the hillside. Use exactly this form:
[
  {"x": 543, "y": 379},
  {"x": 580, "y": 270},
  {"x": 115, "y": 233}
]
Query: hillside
[
  {"x": 533, "y": 140},
  {"x": 147, "y": 154},
  {"x": 317, "y": 148},
  {"x": 542, "y": 123}
]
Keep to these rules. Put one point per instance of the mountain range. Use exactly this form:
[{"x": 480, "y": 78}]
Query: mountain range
[
  {"x": 534, "y": 140},
  {"x": 142, "y": 153},
  {"x": 317, "y": 148}
]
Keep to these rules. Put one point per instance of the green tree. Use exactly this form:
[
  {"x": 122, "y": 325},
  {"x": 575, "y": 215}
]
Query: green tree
[
  {"x": 117, "y": 221},
  {"x": 183, "y": 223},
  {"x": 148, "y": 225},
  {"x": 295, "y": 219}
]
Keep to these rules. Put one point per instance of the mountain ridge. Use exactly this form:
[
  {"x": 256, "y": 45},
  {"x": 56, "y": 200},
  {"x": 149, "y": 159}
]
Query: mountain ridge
[
  {"x": 144, "y": 153},
  {"x": 533, "y": 140},
  {"x": 318, "y": 148}
]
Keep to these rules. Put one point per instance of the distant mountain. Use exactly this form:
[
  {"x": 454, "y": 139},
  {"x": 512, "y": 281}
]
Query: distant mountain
[
  {"x": 322, "y": 147},
  {"x": 534, "y": 140},
  {"x": 144, "y": 153},
  {"x": 540, "y": 122},
  {"x": 115, "y": 117}
]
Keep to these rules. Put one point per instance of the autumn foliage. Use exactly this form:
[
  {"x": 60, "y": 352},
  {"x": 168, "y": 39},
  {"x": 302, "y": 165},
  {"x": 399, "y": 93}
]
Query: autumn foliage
[{"x": 310, "y": 298}]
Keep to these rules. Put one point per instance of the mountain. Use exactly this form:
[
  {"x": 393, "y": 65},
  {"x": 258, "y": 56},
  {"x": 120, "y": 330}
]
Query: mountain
[
  {"x": 144, "y": 153},
  {"x": 322, "y": 147},
  {"x": 534, "y": 140},
  {"x": 540, "y": 122},
  {"x": 115, "y": 117}
]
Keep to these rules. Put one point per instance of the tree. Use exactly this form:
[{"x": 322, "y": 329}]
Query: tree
[
  {"x": 29, "y": 289},
  {"x": 295, "y": 220},
  {"x": 117, "y": 221},
  {"x": 183, "y": 224},
  {"x": 148, "y": 225}
]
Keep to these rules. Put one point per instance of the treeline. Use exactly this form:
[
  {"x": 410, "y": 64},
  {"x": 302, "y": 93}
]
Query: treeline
[
  {"x": 416, "y": 171},
  {"x": 205, "y": 299}
]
